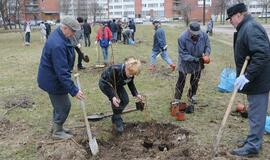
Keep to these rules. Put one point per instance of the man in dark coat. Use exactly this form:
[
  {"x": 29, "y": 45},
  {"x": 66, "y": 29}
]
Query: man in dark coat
[
  {"x": 250, "y": 39},
  {"x": 87, "y": 31},
  {"x": 132, "y": 26},
  {"x": 54, "y": 74},
  {"x": 48, "y": 29}
]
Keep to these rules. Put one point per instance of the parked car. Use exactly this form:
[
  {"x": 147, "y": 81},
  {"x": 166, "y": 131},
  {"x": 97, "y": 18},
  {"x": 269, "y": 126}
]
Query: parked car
[
  {"x": 138, "y": 20},
  {"x": 163, "y": 20},
  {"x": 264, "y": 16}
]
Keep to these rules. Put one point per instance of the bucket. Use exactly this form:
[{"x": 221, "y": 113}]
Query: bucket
[
  {"x": 180, "y": 116},
  {"x": 182, "y": 106},
  {"x": 240, "y": 108},
  {"x": 174, "y": 110}
]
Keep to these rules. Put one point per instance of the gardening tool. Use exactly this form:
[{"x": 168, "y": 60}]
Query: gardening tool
[
  {"x": 92, "y": 140},
  {"x": 112, "y": 62},
  {"x": 98, "y": 58},
  {"x": 216, "y": 143},
  {"x": 100, "y": 116}
]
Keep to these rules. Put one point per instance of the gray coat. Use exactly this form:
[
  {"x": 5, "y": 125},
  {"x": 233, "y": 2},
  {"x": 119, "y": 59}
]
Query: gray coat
[
  {"x": 252, "y": 40},
  {"x": 188, "y": 51}
]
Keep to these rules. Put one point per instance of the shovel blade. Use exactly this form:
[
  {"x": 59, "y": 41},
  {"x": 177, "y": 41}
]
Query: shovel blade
[{"x": 93, "y": 146}]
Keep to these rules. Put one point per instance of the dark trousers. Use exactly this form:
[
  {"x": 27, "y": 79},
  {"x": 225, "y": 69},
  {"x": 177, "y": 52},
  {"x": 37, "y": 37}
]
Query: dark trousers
[
  {"x": 119, "y": 34},
  {"x": 194, "y": 81},
  {"x": 80, "y": 56},
  {"x": 27, "y": 37},
  {"x": 87, "y": 40},
  {"x": 125, "y": 37},
  {"x": 61, "y": 107},
  {"x": 132, "y": 36},
  {"x": 122, "y": 95}
]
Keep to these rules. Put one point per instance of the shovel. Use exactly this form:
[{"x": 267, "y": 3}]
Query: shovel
[
  {"x": 229, "y": 108},
  {"x": 100, "y": 116},
  {"x": 92, "y": 140},
  {"x": 98, "y": 65}
]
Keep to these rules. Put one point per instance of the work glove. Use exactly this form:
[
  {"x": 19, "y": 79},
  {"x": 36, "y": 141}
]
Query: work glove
[
  {"x": 240, "y": 82},
  {"x": 196, "y": 59},
  {"x": 79, "y": 45},
  {"x": 96, "y": 42},
  {"x": 110, "y": 42}
]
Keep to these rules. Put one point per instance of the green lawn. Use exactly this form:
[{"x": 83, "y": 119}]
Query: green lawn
[{"x": 19, "y": 65}]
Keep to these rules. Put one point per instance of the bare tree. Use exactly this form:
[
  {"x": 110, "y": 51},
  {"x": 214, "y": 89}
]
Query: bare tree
[
  {"x": 64, "y": 6},
  {"x": 3, "y": 10},
  {"x": 266, "y": 5},
  {"x": 221, "y": 6},
  {"x": 185, "y": 9},
  {"x": 96, "y": 11}
]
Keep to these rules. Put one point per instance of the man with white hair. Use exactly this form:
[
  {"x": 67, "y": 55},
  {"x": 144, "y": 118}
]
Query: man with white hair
[{"x": 54, "y": 74}]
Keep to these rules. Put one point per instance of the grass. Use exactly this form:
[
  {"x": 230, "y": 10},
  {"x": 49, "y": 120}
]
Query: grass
[{"x": 19, "y": 67}]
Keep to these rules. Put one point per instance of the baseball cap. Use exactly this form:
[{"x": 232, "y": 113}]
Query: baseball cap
[{"x": 194, "y": 28}]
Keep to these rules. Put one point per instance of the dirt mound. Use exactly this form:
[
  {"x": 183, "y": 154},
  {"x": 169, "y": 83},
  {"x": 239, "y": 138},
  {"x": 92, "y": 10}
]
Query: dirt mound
[
  {"x": 22, "y": 101},
  {"x": 168, "y": 142}
]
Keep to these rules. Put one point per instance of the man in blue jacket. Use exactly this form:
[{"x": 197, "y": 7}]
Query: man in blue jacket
[
  {"x": 159, "y": 45},
  {"x": 250, "y": 39},
  {"x": 54, "y": 74},
  {"x": 192, "y": 45}
]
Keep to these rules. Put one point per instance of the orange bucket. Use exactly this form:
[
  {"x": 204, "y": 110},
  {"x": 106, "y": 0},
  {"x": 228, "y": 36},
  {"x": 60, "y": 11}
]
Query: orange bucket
[
  {"x": 174, "y": 108},
  {"x": 180, "y": 116}
]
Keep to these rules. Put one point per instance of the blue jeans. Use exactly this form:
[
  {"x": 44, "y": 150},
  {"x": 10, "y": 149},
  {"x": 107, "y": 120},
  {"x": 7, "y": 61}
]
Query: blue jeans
[
  {"x": 105, "y": 52},
  {"x": 114, "y": 36},
  {"x": 61, "y": 107},
  {"x": 164, "y": 55},
  {"x": 257, "y": 111}
]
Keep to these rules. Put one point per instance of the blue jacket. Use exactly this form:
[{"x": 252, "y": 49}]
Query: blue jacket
[
  {"x": 56, "y": 63},
  {"x": 159, "y": 40},
  {"x": 189, "y": 50}
]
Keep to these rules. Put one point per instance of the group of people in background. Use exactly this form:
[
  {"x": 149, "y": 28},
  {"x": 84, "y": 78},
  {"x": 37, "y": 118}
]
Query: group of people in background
[{"x": 57, "y": 60}]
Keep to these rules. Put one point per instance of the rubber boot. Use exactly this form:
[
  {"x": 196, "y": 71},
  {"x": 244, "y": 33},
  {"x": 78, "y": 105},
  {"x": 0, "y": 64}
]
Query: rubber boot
[
  {"x": 59, "y": 133},
  {"x": 118, "y": 125}
]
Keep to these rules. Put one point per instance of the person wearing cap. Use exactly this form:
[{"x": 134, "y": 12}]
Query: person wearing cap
[
  {"x": 104, "y": 37},
  {"x": 54, "y": 74},
  {"x": 76, "y": 42},
  {"x": 250, "y": 39},
  {"x": 159, "y": 47},
  {"x": 193, "y": 44}
]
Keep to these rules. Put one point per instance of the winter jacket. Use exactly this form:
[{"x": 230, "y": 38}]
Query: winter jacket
[
  {"x": 251, "y": 40},
  {"x": 56, "y": 63},
  {"x": 86, "y": 28},
  {"x": 104, "y": 35},
  {"x": 113, "y": 27},
  {"x": 132, "y": 26},
  {"x": 116, "y": 75},
  {"x": 159, "y": 40},
  {"x": 188, "y": 51}
]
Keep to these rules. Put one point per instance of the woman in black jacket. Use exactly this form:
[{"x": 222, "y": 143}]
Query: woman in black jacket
[{"x": 112, "y": 83}]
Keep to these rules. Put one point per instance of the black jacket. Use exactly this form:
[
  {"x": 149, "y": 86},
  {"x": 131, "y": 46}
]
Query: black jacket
[
  {"x": 252, "y": 40},
  {"x": 108, "y": 80},
  {"x": 86, "y": 28}
]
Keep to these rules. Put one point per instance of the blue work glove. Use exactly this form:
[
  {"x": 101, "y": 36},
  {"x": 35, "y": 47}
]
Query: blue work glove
[
  {"x": 240, "y": 82},
  {"x": 196, "y": 59}
]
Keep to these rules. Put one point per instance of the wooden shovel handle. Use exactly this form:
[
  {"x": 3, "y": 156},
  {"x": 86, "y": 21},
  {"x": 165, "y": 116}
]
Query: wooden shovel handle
[{"x": 229, "y": 109}]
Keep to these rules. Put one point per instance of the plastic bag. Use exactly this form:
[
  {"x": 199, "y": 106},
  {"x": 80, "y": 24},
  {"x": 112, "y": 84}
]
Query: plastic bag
[
  {"x": 227, "y": 79},
  {"x": 267, "y": 124},
  {"x": 131, "y": 42}
]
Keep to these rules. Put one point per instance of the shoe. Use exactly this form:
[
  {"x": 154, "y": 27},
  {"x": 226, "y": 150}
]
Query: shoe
[
  {"x": 189, "y": 109},
  {"x": 152, "y": 68},
  {"x": 59, "y": 133},
  {"x": 173, "y": 66},
  {"x": 81, "y": 68},
  {"x": 118, "y": 125},
  {"x": 244, "y": 152},
  {"x": 193, "y": 99}
]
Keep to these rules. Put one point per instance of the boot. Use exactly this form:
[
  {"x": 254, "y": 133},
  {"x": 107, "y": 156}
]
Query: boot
[
  {"x": 118, "y": 125},
  {"x": 59, "y": 133}
]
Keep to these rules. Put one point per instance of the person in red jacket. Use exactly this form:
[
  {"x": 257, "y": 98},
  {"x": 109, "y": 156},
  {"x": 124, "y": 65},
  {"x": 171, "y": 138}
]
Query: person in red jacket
[{"x": 104, "y": 37}]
